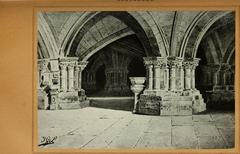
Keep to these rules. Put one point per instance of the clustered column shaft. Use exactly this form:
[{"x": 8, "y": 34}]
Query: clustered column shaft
[
  {"x": 150, "y": 77},
  {"x": 157, "y": 77},
  {"x": 170, "y": 73},
  {"x": 70, "y": 74},
  {"x": 63, "y": 77},
  {"x": 42, "y": 71}
]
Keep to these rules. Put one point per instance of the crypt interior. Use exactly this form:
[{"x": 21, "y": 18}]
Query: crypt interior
[
  {"x": 183, "y": 55},
  {"x": 134, "y": 79}
]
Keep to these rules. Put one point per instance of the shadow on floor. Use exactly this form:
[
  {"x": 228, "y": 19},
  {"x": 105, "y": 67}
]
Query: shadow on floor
[
  {"x": 127, "y": 103},
  {"x": 115, "y": 103}
]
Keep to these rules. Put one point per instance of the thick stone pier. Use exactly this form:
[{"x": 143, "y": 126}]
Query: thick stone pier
[
  {"x": 170, "y": 87},
  {"x": 59, "y": 83}
]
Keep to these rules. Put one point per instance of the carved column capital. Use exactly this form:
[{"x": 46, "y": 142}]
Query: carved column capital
[
  {"x": 174, "y": 62},
  {"x": 82, "y": 64},
  {"x": 148, "y": 60},
  {"x": 71, "y": 65},
  {"x": 225, "y": 67},
  {"x": 43, "y": 65},
  {"x": 191, "y": 63},
  {"x": 160, "y": 62}
]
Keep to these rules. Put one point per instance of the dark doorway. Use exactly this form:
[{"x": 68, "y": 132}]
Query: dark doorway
[{"x": 100, "y": 78}]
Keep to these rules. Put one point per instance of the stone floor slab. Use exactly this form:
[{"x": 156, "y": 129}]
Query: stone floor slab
[
  {"x": 184, "y": 137},
  {"x": 182, "y": 120},
  {"x": 104, "y": 128},
  {"x": 202, "y": 118},
  {"x": 206, "y": 130},
  {"x": 211, "y": 142},
  {"x": 104, "y": 139},
  {"x": 158, "y": 133},
  {"x": 129, "y": 137},
  {"x": 228, "y": 135}
]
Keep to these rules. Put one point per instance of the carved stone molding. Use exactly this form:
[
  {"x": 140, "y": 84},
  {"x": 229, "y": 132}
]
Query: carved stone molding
[
  {"x": 43, "y": 65},
  {"x": 82, "y": 64}
]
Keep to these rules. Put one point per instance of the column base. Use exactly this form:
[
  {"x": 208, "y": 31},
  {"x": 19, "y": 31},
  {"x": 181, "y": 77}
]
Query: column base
[
  {"x": 148, "y": 104},
  {"x": 72, "y": 100},
  {"x": 171, "y": 103},
  {"x": 43, "y": 102}
]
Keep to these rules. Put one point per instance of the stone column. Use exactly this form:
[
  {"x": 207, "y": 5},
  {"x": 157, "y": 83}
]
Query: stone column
[
  {"x": 63, "y": 77},
  {"x": 225, "y": 69},
  {"x": 81, "y": 65},
  {"x": 162, "y": 74},
  {"x": 194, "y": 65},
  {"x": 193, "y": 78},
  {"x": 40, "y": 71},
  {"x": 214, "y": 74},
  {"x": 172, "y": 77},
  {"x": 173, "y": 63},
  {"x": 182, "y": 77},
  {"x": 76, "y": 81},
  {"x": 232, "y": 75},
  {"x": 39, "y": 79},
  {"x": 71, "y": 77},
  {"x": 43, "y": 70},
  {"x": 150, "y": 77},
  {"x": 148, "y": 61},
  {"x": 166, "y": 78},
  {"x": 156, "y": 76},
  {"x": 187, "y": 75}
]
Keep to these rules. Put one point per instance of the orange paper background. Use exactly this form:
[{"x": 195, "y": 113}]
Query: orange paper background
[{"x": 18, "y": 95}]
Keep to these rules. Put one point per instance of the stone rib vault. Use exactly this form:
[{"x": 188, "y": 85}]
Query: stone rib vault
[{"x": 188, "y": 58}]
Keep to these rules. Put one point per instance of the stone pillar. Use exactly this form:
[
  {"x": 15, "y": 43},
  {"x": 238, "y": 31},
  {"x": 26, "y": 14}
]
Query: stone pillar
[
  {"x": 188, "y": 78},
  {"x": 225, "y": 68},
  {"x": 173, "y": 63},
  {"x": 214, "y": 74},
  {"x": 172, "y": 77},
  {"x": 194, "y": 65},
  {"x": 63, "y": 77},
  {"x": 162, "y": 75},
  {"x": 43, "y": 71},
  {"x": 67, "y": 65},
  {"x": 166, "y": 78},
  {"x": 232, "y": 75},
  {"x": 156, "y": 77},
  {"x": 150, "y": 77},
  {"x": 71, "y": 77},
  {"x": 182, "y": 77},
  {"x": 187, "y": 75},
  {"x": 148, "y": 61},
  {"x": 76, "y": 82},
  {"x": 81, "y": 65}
]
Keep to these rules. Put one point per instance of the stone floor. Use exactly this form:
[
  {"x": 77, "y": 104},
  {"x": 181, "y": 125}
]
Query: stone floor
[{"x": 105, "y": 128}]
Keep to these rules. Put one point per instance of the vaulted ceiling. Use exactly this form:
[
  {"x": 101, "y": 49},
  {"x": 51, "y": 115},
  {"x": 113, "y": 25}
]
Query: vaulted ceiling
[{"x": 161, "y": 33}]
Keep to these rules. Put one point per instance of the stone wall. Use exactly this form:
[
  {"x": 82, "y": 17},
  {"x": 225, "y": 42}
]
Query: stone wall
[{"x": 59, "y": 83}]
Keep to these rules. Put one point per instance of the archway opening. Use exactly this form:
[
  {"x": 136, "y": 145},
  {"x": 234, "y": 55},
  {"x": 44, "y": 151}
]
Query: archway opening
[
  {"x": 213, "y": 75},
  {"x": 100, "y": 78},
  {"x": 106, "y": 78}
]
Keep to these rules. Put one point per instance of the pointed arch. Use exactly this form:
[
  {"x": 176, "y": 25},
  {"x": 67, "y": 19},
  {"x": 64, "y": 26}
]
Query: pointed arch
[
  {"x": 229, "y": 52},
  {"x": 142, "y": 27},
  {"x": 202, "y": 24},
  {"x": 46, "y": 38}
]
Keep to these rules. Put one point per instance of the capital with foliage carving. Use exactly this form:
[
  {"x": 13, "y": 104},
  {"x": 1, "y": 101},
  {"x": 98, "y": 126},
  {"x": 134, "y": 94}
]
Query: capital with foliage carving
[
  {"x": 43, "y": 65},
  {"x": 82, "y": 64}
]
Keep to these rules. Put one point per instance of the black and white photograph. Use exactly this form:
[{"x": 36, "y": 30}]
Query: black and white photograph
[{"x": 160, "y": 79}]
